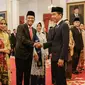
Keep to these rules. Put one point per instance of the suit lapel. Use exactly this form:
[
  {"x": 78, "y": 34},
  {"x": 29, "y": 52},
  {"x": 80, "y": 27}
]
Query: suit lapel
[
  {"x": 27, "y": 31},
  {"x": 61, "y": 22},
  {"x": 33, "y": 31},
  {"x": 57, "y": 26}
]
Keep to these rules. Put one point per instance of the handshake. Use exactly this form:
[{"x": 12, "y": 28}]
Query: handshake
[{"x": 38, "y": 45}]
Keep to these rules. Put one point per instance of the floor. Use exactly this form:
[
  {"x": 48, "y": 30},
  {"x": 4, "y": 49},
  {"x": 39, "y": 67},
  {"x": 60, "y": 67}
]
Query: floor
[{"x": 76, "y": 79}]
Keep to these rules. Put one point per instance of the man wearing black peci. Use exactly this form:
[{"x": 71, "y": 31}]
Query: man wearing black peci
[
  {"x": 58, "y": 40},
  {"x": 24, "y": 49},
  {"x": 77, "y": 35}
]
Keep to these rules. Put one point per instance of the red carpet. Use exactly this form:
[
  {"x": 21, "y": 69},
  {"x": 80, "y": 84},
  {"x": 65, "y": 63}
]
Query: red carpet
[
  {"x": 13, "y": 71},
  {"x": 76, "y": 79},
  {"x": 48, "y": 73}
]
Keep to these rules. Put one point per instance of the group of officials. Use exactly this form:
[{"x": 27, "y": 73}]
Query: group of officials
[
  {"x": 64, "y": 45},
  {"x": 58, "y": 40}
]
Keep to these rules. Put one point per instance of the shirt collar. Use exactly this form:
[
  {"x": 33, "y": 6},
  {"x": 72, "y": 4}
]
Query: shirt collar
[
  {"x": 29, "y": 26},
  {"x": 59, "y": 21}
]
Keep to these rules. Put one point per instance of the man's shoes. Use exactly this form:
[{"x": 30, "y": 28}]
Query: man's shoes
[{"x": 75, "y": 72}]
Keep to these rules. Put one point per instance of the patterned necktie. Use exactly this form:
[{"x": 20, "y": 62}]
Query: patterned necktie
[{"x": 31, "y": 34}]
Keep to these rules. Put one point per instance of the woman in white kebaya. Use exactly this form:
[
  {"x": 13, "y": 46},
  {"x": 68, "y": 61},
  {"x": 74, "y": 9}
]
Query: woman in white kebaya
[{"x": 38, "y": 65}]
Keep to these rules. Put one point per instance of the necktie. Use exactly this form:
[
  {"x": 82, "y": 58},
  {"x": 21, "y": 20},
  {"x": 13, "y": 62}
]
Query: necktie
[{"x": 31, "y": 34}]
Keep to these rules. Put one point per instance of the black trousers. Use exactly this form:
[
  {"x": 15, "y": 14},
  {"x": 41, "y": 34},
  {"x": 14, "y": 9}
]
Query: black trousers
[
  {"x": 69, "y": 69},
  {"x": 75, "y": 59},
  {"x": 58, "y": 74},
  {"x": 23, "y": 69},
  {"x": 37, "y": 80},
  {"x": 53, "y": 72}
]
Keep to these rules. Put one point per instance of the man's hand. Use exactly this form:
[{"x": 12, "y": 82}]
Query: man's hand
[
  {"x": 60, "y": 63},
  {"x": 37, "y": 45}
]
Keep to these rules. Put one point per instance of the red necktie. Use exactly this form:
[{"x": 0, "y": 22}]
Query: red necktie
[{"x": 31, "y": 34}]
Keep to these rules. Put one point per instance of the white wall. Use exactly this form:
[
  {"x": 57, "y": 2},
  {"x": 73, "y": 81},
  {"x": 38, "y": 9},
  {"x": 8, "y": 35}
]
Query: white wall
[
  {"x": 41, "y": 6},
  {"x": 2, "y": 5}
]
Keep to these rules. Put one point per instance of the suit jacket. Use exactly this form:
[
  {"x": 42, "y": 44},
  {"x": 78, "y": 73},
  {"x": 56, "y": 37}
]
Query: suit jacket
[
  {"x": 13, "y": 40},
  {"x": 72, "y": 17},
  {"x": 58, "y": 40},
  {"x": 24, "y": 44},
  {"x": 77, "y": 38}
]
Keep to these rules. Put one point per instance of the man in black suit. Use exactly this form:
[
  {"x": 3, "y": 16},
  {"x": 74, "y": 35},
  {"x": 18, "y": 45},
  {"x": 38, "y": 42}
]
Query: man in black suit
[
  {"x": 77, "y": 35},
  {"x": 58, "y": 39},
  {"x": 24, "y": 49},
  {"x": 76, "y": 14}
]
